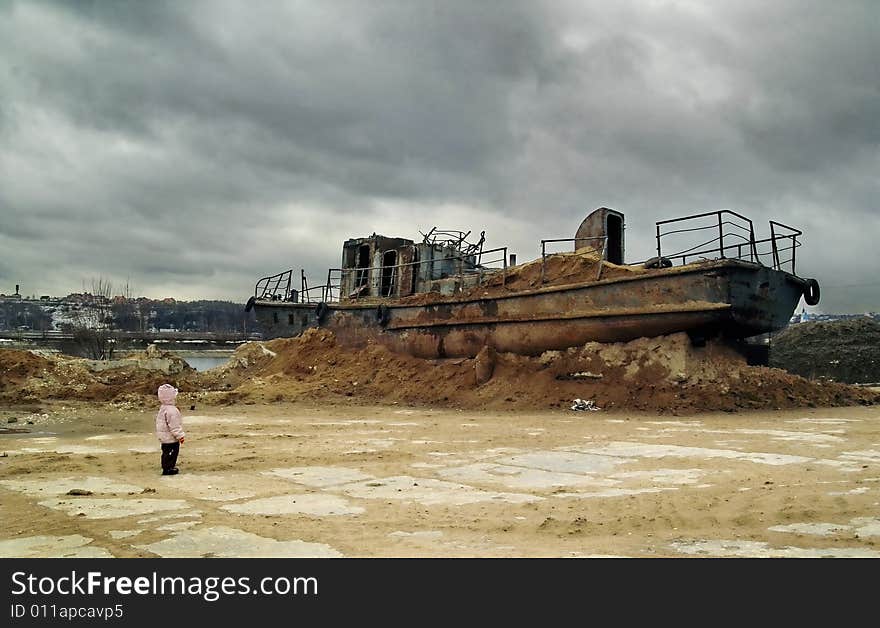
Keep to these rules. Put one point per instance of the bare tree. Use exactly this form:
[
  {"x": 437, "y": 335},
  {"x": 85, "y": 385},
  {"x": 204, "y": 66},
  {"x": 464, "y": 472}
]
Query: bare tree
[
  {"x": 102, "y": 288},
  {"x": 127, "y": 290},
  {"x": 133, "y": 308},
  {"x": 93, "y": 329}
]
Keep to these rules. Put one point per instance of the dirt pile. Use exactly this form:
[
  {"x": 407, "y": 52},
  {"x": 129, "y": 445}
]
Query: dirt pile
[
  {"x": 843, "y": 351},
  {"x": 17, "y": 367},
  {"x": 665, "y": 374},
  {"x": 27, "y": 377},
  {"x": 558, "y": 269},
  {"x": 247, "y": 359}
]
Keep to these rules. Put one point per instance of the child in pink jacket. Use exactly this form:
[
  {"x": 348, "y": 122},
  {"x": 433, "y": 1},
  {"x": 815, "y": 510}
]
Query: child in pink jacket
[{"x": 169, "y": 428}]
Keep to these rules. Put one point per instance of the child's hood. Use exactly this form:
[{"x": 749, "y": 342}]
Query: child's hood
[{"x": 167, "y": 394}]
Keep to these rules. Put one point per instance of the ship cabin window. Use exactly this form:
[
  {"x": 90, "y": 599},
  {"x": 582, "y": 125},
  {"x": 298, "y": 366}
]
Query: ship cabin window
[
  {"x": 274, "y": 317},
  {"x": 363, "y": 264},
  {"x": 290, "y": 319},
  {"x": 389, "y": 268},
  {"x": 614, "y": 231}
]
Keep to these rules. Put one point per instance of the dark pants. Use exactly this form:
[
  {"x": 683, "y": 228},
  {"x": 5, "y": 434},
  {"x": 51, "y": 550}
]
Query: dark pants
[{"x": 169, "y": 455}]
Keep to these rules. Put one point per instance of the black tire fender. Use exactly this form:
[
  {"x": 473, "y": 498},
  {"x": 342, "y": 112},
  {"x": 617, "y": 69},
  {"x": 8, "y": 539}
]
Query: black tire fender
[
  {"x": 658, "y": 262},
  {"x": 811, "y": 292},
  {"x": 382, "y": 315},
  {"x": 321, "y": 311},
  {"x": 250, "y": 304}
]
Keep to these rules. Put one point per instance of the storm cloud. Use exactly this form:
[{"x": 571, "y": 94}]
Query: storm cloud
[{"x": 190, "y": 148}]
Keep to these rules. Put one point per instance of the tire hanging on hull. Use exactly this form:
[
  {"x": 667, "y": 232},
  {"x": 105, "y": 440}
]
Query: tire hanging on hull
[{"x": 811, "y": 292}]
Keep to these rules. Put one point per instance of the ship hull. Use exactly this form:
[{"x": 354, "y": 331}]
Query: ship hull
[{"x": 733, "y": 298}]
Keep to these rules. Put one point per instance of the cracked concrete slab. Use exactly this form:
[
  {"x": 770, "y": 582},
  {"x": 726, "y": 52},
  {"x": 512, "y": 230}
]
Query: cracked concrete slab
[
  {"x": 216, "y": 488},
  {"x": 174, "y": 515},
  {"x": 214, "y": 420},
  {"x": 864, "y": 455},
  {"x": 520, "y": 478},
  {"x": 650, "y": 450},
  {"x": 866, "y": 526},
  {"x": 319, "y": 477},
  {"x": 345, "y": 423},
  {"x": 70, "y": 546},
  {"x": 616, "y": 492},
  {"x": 312, "y": 504},
  {"x": 846, "y": 466},
  {"x": 429, "y": 492},
  {"x": 420, "y": 535},
  {"x": 112, "y": 507},
  {"x": 225, "y": 542},
  {"x": 124, "y": 534},
  {"x": 760, "y": 549},
  {"x": 577, "y": 462},
  {"x": 60, "y": 486},
  {"x": 822, "y": 421},
  {"x": 144, "y": 449},
  {"x": 68, "y": 449},
  {"x": 179, "y": 525},
  {"x": 662, "y": 476},
  {"x": 780, "y": 435},
  {"x": 814, "y": 529},
  {"x": 854, "y": 491},
  {"x": 860, "y": 527}
]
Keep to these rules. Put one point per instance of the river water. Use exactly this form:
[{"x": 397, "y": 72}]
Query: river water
[
  {"x": 199, "y": 360},
  {"x": 203, "y": 363}
]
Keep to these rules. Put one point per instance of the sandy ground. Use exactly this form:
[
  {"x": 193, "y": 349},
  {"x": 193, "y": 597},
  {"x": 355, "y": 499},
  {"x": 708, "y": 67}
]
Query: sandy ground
[{"x": 290, "y": 480}]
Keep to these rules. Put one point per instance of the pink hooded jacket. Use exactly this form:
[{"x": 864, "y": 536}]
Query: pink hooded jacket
[{"x": 169, "y": 423}]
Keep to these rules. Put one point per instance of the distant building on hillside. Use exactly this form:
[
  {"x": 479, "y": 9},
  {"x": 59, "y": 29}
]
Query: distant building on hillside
[
  {"x": 12, "y": 297},
  {"x": 805, "y": 316}
]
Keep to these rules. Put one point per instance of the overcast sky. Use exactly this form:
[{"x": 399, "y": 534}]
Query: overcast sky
[{"x": 189, "y": 148}]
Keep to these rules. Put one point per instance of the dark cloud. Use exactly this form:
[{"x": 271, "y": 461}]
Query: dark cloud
[{"x": 191, "y": 148}]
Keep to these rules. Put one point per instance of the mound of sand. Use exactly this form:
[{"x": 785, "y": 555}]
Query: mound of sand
[
  {"x": 844, "y": 351},
  {"x": 27, "y": 377},
  {"x": 662, "y": 374},
  {"x": 247, "y": 359},
  {"x": 17, "y": 367},
  {"x": 558, "y": 269},
  {"x": 665, "y": 374}
]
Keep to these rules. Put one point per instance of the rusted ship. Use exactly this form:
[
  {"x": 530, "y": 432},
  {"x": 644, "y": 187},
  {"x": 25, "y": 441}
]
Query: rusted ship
[{"x": 448, "y": 297}]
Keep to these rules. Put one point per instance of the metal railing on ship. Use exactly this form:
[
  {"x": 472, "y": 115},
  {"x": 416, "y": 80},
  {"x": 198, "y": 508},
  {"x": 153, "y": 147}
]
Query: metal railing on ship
[
  {"x": 278, "y": 287},
  {"x": 275, "y": 287},
  {"x": 733, "y": 238}
]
